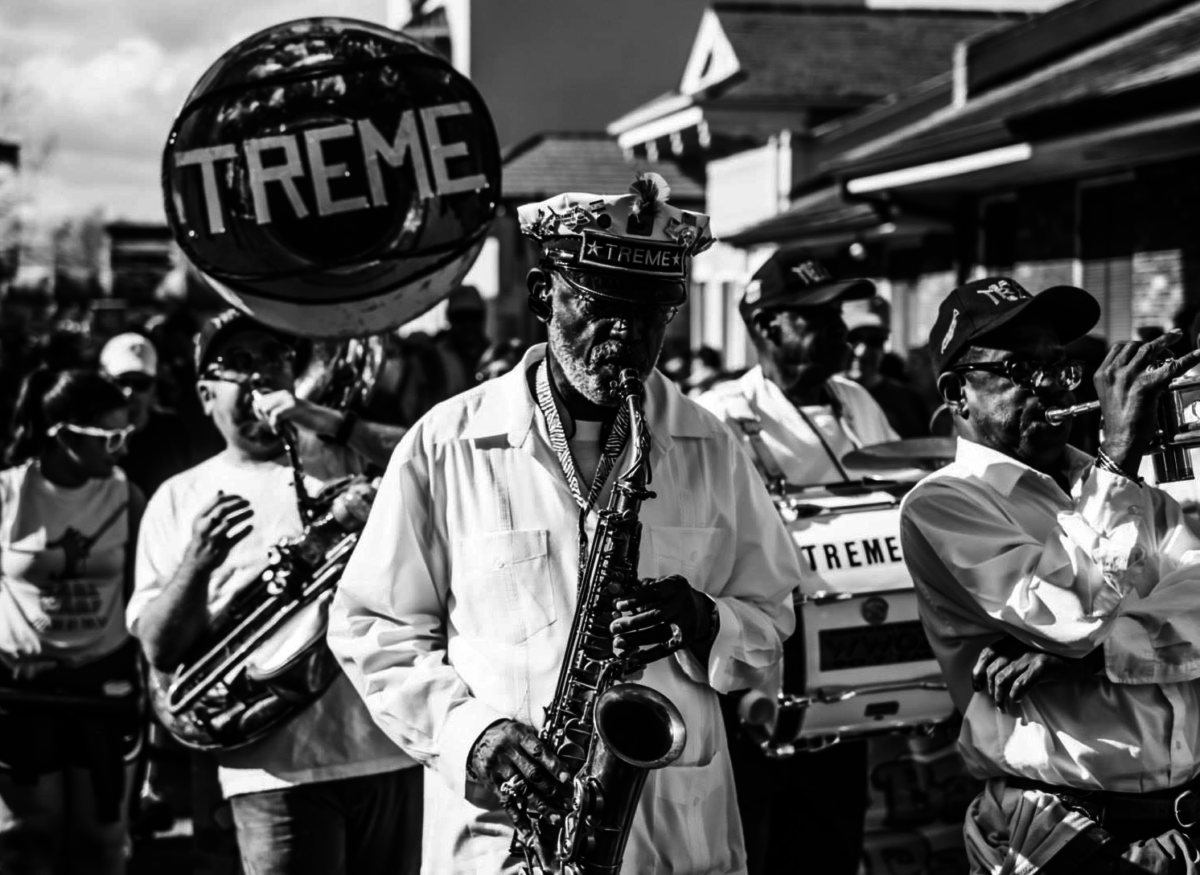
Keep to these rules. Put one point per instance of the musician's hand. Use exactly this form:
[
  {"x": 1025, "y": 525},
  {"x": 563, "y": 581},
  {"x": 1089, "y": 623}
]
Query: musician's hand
[
  {"x": 664, "y": 614},
  {"x": 1008, "y": 669},
  {"x": 222, "y": 523},
  {"x": 280, "y": 406},
  {"x": 507, "y": 750},
  {"x": 1129, "y": 383},
  {"x": 356, "y": 501}
]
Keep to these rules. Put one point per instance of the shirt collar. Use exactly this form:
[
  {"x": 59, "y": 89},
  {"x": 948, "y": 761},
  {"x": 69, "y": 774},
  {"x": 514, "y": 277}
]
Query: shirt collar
[
  {"x": 510, "y": 408},
  {"x": 1003, "y": 472}
]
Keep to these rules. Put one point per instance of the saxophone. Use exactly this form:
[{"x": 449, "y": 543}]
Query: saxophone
[{"x": 608, "y": 732}]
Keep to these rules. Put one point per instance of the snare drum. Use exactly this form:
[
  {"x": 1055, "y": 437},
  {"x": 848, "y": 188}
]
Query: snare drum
[{"x": 859, "y": 663}]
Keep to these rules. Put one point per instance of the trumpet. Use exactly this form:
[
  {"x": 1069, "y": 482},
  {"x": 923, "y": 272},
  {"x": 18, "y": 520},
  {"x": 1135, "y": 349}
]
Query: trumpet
[{"x": 1177, "y": 429}]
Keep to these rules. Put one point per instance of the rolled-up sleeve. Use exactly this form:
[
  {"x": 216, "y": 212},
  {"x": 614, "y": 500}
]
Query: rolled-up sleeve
[
  {"x": 387, "y": 624},
  {"x": 1060, "y": 595},
  {"x": 755, "y": 603}
]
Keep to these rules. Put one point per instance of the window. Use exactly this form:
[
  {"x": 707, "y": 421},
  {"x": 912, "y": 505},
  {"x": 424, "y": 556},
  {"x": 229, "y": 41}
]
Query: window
[{"x": 1105, "y": 248}]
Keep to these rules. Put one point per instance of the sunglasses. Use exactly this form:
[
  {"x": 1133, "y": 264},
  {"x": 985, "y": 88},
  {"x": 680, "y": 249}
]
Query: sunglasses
[
  {"x": 273, "y": 358},
  {"x": 1032, "y": 375},
  {"x": 135, "y": 382},
  {"x": 114, "y": 438},
  {"x": 598, "y": 309}
]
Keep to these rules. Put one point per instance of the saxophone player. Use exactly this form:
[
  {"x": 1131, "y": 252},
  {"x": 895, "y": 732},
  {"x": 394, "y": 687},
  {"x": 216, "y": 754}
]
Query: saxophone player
[
  {"x": 455, "y": 611},
  {"x": 327, "y": 791}
]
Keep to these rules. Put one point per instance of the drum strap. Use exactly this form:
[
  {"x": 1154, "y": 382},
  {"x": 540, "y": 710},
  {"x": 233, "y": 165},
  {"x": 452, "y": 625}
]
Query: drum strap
[{"x": 768, "y": 466}]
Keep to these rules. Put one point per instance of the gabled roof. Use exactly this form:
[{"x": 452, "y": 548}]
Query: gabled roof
[
  {"x": 1139, "y": 72},
  {"x": 751, "y": 59},
  {"x": 830, "y": 55},
  {"x": 547, "y": 164}
]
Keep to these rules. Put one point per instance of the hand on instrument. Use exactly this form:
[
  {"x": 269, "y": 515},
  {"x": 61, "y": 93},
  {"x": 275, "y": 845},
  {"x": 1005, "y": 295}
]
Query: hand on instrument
[
  {"x": 280, "y": 406},
  {"x": 1008, "y": 669},
  {"x": 663, "y": 615},
  {"x": 1129, "y": 383},
  {"x": 522, "y": 771},
  {"x": 217, "y": 529}
]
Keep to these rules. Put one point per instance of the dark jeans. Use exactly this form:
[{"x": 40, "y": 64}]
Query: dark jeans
[{"x": 352, "y": 826}]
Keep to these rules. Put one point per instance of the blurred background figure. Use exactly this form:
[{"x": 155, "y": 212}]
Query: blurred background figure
[
  {"x": 68, "y": 523},
  {"x": 499, "y": 358},
  {"x": 160, "y": 446},
  {"x": 465, "y": 339},
  {"x": 867, "y": 335},
  {"x": 707, "y": 371}
]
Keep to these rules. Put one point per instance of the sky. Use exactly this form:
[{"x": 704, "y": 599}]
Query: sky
[{"x": 100, "y": 82}]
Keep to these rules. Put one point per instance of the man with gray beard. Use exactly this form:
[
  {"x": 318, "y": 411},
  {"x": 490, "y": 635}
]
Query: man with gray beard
[{"x": 454, "y": 614}]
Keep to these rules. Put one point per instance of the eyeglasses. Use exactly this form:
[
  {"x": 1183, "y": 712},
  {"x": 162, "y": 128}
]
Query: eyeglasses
[
  {"x": 1032, "y": 375},
  {"x": 135, "y": 382},
  {"x": 114, "y": 438},
  {"x": 596, "y": 308},
  {"x": 273, "y": 358}
]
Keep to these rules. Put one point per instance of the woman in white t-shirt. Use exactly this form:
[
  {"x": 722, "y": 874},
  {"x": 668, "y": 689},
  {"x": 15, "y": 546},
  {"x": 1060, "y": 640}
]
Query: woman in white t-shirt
[{"x": 70, "y": 719}]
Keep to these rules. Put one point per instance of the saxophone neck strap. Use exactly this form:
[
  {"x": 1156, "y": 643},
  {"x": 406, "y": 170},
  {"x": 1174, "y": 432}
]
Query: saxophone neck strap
[{"x": 613, "y": 444}]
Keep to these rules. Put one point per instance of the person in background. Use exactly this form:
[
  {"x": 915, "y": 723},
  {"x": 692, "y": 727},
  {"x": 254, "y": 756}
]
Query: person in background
[
  {"x": 810, "y": 417},
  {"x": 867, "y": 333},
  {"x": 326, "y": 791},
  {"x": 68, "y": 520},
  {"x": 160, "y": 446},
  {"x": 707, "y": 371},
  {"x": 500, "y": 358},
  {"x": 464, "y": 340}
]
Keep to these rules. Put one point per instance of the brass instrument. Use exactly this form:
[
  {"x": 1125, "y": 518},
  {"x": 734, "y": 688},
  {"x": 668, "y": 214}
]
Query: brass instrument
[
  {"x": 264, "y": 658},
  {"x": 1178, "y": 429},
  {"x": 608, "y": 732}
]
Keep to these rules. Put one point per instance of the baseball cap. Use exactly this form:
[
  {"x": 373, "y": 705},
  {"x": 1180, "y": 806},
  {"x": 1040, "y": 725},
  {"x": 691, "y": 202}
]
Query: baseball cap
[
  {"x": 982, "y": 306},
  {"x": 129, "y": 354},
  {"x": 872, "y": 314},
  {"x": 225, "y": 324},
  {"x": 633, "y": 236},
  {"x": 797, "y": 280}
]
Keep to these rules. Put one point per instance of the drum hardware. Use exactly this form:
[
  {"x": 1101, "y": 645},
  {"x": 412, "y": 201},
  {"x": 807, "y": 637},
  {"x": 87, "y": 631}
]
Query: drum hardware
[{"x": 1177, "y": 429}]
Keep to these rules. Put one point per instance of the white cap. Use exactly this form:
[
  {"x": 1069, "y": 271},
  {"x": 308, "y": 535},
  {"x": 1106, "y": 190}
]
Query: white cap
[{"x": 129, "y": 354}]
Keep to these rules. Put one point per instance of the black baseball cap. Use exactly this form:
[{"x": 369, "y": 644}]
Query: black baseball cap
[
  {"x": 797, "y": 280},
  {"x": 225, "y": 324},
  {"x": 982, "y": 306}
]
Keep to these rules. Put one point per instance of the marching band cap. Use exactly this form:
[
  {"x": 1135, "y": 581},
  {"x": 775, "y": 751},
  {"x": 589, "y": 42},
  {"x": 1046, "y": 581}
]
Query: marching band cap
[
  {"x": 794, "y": 279},
  {"x": 223, "y": 325},
  {"x": 635, "y": 238},
  {"x": 982, "y": 306},
  {"x": 129, "y": 353}
]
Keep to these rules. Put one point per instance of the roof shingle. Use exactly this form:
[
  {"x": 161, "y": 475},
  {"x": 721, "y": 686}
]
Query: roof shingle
[
  {"x": 840, "y": 55},
  {"x": 1147, "y": 57}
]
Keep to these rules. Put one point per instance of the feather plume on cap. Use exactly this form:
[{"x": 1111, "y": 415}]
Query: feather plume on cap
[{"x": 651, "y": 190}]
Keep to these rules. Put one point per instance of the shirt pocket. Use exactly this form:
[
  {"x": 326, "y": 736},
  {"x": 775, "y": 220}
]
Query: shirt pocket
[
  {"x": 502, "y": 585},
  {"x": 695, "y": 820},
  {"x": 691, "y": 552}
]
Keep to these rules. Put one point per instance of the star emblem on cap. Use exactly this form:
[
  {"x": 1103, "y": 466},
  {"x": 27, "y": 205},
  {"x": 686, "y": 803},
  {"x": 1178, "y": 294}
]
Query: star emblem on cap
[{"x": 593, "y": 248}]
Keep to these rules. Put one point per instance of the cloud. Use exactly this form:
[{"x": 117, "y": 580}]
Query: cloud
[{"x": 105, "y": 80}]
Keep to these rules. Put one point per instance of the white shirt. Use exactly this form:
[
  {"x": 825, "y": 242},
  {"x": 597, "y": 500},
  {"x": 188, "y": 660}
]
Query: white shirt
[
  {"x": 455, "y": 609},
  {"x": 332, "y": 738},
  {"x": 796, "y": 448},
  {"x": 996, "y": 548}
]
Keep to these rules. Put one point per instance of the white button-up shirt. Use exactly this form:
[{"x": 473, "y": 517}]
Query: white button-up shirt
[
  {"x": 455, "y": 609},
  {"x": 996, "y": 548},
  {"x": 789, "y": 438}
]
